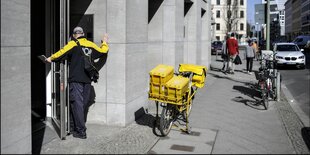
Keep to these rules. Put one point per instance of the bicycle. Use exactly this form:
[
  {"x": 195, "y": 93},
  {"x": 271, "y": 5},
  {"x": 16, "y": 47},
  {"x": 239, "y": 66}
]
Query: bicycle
[
  {"x": 267, "y": 80},
  {"x": 175, "y": 94},
  {"x": 264, "y": 84}
]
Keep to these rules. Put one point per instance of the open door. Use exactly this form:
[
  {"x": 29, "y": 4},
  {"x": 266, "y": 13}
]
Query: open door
[
  {"x": 61, "y": 17},
  {"x": 57, "y": 35}
]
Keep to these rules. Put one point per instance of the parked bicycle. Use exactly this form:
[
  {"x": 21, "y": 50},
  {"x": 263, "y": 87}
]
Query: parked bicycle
[
  {"x": 268, "y": 79},
  {"x": 175, "y": 94}
]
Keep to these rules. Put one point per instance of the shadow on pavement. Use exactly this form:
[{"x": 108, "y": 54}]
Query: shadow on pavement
[
  {"x": 219, "y": 70},
  {"x": 305, "y": 132},
  {"x": 248, "y": 91},
  {"x": 255, "y": 104},
  {"x": 147, "y": 119},
  {"x": 37, "y": 136},
  {"x": 251, "y": 92},
  {"x": 225, "y": 77}
]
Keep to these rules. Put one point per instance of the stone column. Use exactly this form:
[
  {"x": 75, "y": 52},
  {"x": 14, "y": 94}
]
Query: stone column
[
  {"x": 126, "y": 66},
  {"x": 192, "y": 45},
  {"x": 15, "y": 77},
  {"x": 155, "y": 37},
  {"x": 173, "y": 32},
  {"x": 206, "y": 35}
]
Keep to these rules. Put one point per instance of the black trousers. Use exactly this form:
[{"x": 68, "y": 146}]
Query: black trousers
[
  {"x": 79, "y": 98},
  {"x": 249, "y": 64}
]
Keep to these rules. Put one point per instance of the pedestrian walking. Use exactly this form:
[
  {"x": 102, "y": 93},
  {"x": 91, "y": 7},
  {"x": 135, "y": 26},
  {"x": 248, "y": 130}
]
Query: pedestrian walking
[
  {"x": 233, "y": 51},
  {"x": 224, "y": 56},
  {"x": 249, "y": 54},
  {"x": 79, "y": 80},
  {"x": 254, "y": 45}
]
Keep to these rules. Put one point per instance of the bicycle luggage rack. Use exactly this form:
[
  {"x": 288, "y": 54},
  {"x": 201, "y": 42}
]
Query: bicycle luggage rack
[{"x": 175, "y": 93}]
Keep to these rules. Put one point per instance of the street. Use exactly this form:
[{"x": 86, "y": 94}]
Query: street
[{"x": 297, "y": 82}]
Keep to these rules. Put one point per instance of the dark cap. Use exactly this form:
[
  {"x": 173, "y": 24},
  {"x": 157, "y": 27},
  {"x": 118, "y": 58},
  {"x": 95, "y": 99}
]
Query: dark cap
[{"x": 78, "y": 30}]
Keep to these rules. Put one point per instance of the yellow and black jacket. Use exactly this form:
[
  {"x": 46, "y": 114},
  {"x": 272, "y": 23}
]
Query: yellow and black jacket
[{"x": 73, "y": 54}]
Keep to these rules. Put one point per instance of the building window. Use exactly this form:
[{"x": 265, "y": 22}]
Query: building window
[
  {"x": 217, "y": 37},
  {"x": 241, "y": 27},
  {"x": 241, "y": 2},
  {"x": 218, "y": 2},
  {"x": 218, "y": 26},
  {"x": 241, "y": 14},
  {"x": 218, "y": 14}
]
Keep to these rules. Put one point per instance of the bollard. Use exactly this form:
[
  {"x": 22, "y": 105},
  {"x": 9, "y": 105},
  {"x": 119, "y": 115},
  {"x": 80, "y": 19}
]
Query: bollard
[{"x": 278, "y": 86}]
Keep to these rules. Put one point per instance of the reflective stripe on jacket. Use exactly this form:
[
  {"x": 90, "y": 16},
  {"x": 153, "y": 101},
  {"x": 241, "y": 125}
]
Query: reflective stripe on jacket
[{"x": 73, "y": 54}]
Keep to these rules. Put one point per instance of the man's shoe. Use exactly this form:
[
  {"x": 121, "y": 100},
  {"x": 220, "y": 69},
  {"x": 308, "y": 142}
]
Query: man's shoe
[
  {"x": 72, "y": 132},
  {"x": 79, "y": 135}
]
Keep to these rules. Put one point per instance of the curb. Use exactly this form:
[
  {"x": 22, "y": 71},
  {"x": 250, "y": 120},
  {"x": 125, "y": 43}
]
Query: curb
[{"x": 294, "y": 104}]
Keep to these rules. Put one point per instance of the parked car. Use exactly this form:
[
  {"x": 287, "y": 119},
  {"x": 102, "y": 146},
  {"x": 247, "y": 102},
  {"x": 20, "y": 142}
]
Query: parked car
[
  {"x": 301, "y": 41},
  {"x": 289, "y": 54},
  {"x": 216, "y": 46}
]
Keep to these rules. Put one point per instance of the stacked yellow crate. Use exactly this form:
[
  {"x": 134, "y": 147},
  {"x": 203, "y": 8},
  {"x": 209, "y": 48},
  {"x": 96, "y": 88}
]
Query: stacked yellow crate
[
  {"x": 159, "y": 76},
  {"x": 199, "y": 76},
  {"x": 176, "y": 88}
]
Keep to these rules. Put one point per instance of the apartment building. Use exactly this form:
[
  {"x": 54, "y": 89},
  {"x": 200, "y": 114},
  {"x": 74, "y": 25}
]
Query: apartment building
[{"x": 238, "y": 22}]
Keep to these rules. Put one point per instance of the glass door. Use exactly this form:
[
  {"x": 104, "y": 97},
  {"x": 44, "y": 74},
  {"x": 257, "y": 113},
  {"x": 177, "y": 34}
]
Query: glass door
[{"x": 59, "y": 36}]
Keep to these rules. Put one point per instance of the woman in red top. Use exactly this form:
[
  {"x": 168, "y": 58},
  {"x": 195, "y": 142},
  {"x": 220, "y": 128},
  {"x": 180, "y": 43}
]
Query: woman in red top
[{"x": 232, "y": 48}]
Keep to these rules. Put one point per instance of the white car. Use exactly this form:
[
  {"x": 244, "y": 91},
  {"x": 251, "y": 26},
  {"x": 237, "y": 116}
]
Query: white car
[{"x": 289, "y": 54}]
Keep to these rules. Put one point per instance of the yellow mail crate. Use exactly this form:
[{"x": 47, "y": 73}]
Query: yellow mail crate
[
  {"x": 161, "y": 74},
  {"x": 158, "y": 78},
  {"x": 157, "y": 91},
  {"x": 176, "y": 88},
  {"x": 199, "y": 73}
]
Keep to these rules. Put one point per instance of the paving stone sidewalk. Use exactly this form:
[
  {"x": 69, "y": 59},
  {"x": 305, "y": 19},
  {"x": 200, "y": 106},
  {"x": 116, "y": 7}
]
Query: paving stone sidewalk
[{"x": 226, "y": 107}]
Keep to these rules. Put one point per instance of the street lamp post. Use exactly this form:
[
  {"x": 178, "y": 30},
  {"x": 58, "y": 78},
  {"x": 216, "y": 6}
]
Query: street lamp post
[
  {"x": 268, "y": 26},
  {"x": 258, "y": 31}
]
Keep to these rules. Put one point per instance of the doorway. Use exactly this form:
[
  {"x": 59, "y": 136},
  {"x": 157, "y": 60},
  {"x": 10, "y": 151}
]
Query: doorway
[{"x": 51, "y": 25}]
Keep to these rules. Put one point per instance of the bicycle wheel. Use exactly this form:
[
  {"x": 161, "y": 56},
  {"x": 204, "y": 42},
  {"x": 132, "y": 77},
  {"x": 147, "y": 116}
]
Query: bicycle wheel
[
  {"x": 264, "y": 93},
  {"x": 166, "y": 120},
  {"x": 274, "y": 88},
  {"x": 265, "y": 99}
]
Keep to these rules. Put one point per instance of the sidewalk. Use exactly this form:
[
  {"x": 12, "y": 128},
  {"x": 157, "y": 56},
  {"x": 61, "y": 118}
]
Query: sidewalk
[{"x": 225, "y": 118}]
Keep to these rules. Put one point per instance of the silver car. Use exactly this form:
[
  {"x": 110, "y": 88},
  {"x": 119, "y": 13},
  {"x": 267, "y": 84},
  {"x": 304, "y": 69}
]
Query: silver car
[{"x": 289, "y": 54}]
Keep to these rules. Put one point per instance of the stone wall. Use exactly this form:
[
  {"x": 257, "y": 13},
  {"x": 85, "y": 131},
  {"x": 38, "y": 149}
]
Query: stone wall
[{"x": 15, "y": 77}]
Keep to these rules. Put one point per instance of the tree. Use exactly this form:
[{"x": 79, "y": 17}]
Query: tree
[{"x": 231, "y": 18}]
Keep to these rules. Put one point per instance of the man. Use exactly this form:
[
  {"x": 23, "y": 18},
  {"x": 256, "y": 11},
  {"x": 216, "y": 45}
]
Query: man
[
  {"x": 79, "y": 80},
  {"x": 232, "y": 48},
  {"x": 224, "y": 56}
]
